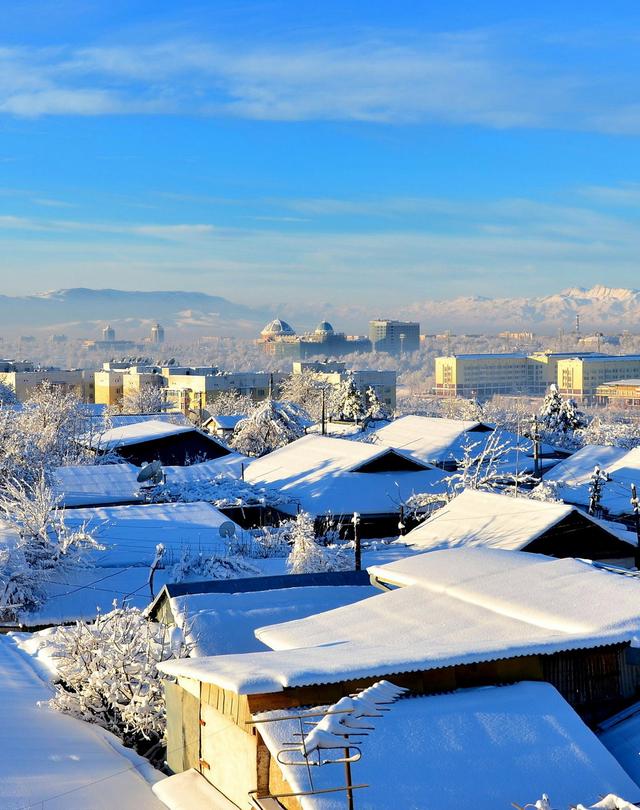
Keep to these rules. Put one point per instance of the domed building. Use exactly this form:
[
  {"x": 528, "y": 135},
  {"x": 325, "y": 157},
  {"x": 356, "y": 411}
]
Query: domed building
[
  {"x": 324, "y": 328},
  {"x": 277, "y": 328},
  {"x": 279, "y": 339}
]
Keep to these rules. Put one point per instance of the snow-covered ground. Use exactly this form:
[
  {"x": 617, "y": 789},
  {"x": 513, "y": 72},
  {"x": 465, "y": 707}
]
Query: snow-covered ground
[{"x": 53, "y": 761}]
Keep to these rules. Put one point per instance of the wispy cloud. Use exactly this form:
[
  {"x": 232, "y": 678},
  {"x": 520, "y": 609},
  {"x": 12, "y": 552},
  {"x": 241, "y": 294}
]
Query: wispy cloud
[{"x": 473, "y": 77}]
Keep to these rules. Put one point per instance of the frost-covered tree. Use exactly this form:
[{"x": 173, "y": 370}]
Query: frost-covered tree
[
  {"x": 195, "y": 565},
  {"x": 49, "y": 430},
  {"x": 347, "y": 402},
  {"x": 45, "y": 546},
  {"x": 7, "y": 395},
  {"x": 305, "y": 390},
  {"x": 223, "y": 491},
  {"x": 461, "y": 408},
  {"x": 229, "y": 403},
  {"x": 610, "y": 433},
  {"x": 269, "y": 426},
  {"x": 558, "y": 414},
  {"x": 596, "y": 485},
  {"x": 148, "y": 399},
  {"x": 108, "y": 675},
  {"x": 487, "y": 466},
  {"x": 374, "y": 408},
  {"x": 306, "y": 556}
]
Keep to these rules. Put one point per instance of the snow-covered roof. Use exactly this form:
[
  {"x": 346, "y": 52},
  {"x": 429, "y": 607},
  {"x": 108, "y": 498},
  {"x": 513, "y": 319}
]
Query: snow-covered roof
[
  {"x": 436, "y": 439},
  {"x": 476, "y": 518},
  {"x": 473, "y": 748},
  {"x": 573, "y": 474},
  {"x": 103, "y": 484},
  {"x": 320, "y": 473},
  {"x": 218, "y": 623},
  {"x": 53, "y": 760},
  {"x": 130, "y": 533},
  {"x": 621, "y": 736},
  {"x": 96, "y": 484},
  {"x": 457, "y": 606},
  {"x": 227, "y": 422},
  {"x": 139, "y": 432},
  {"x": 173, "y": 418}
]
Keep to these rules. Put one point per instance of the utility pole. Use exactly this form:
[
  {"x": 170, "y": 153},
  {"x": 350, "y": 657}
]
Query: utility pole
[
  {"x": 356, "y": 537},
  {"x": 635, "y": 504},
  {"x": 324, "y": 412},
  {"x": 536, "y": 448}
]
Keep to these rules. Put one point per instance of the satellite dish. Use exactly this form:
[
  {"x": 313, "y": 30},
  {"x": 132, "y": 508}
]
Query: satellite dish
[
  {"x": 227, "y": 529},
  {"x": 150, "y": 472}
]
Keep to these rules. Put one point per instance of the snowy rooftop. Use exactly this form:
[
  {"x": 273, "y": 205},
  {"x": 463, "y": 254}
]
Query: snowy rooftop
[
  {"x": 474, "y": 748},
  {"x": 322, "y": 475},
  {"x": 138, "y": 432},
  {"x": 103, "y": 484},
  {"x": 458, "y": 606},
  {"x": 621, "y": 735},
  {"x": 130, "y": 533},
  {"x": 218, "y": 623},
  {"x": 573, "y": 474},
  {"x": 476, "y": 518},
  {"x": 436, "y": 439}
]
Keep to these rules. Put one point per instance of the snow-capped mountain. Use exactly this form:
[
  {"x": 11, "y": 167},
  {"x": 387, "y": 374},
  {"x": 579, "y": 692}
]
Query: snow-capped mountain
[
  {"x": 80, "y": 311},
  {"x": 600, "y": 308}
]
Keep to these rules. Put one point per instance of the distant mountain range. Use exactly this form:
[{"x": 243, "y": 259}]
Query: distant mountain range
[{"x": 82, "y": 311}]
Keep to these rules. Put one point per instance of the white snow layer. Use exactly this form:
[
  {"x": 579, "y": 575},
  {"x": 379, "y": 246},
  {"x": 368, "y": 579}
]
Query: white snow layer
[
  {"x": 58, "y": 762},
  {"x": 130, "y": 533},
  {"x": 104, "y": 484},
  {"x": 476, "y": 518},
  {"x": 317, "y": 472},
  {"x": 475, "y": 748},
  {"x": 219, "y": 623},
  {"x": 457, "y": 606},
  {"x": 572, "y": 476}
]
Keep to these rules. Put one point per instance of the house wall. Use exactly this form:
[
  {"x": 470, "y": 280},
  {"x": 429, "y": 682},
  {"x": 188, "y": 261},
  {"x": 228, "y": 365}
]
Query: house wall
[
  {"x": 178, "y": 450},
  {"x": 575, "y": 536}
]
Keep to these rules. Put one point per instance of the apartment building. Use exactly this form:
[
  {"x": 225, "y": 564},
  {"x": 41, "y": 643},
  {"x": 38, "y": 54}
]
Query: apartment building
[
  {"x": 481, "y": 375},
  {"x": 394, "y": 337},
  {"x": 580, "y": 377},
  {"x": 24, "y": 378},
  {"x": 625, "y": 393},
  {"x": 117, "y": 380}
]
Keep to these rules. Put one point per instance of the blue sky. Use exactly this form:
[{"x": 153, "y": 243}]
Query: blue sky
[{"x": 296, "y": 150}]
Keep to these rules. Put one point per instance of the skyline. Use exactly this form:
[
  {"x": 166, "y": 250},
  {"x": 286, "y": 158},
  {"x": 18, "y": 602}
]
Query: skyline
[{"x": 266, "y": 151}]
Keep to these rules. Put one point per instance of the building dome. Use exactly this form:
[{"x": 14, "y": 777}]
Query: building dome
[
  {"x": 277, "y": 328},
  {"x": 324, "y": 328}
]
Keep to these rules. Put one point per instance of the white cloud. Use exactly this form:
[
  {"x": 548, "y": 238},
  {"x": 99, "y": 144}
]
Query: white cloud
[{"x": 477, "y": 77}]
